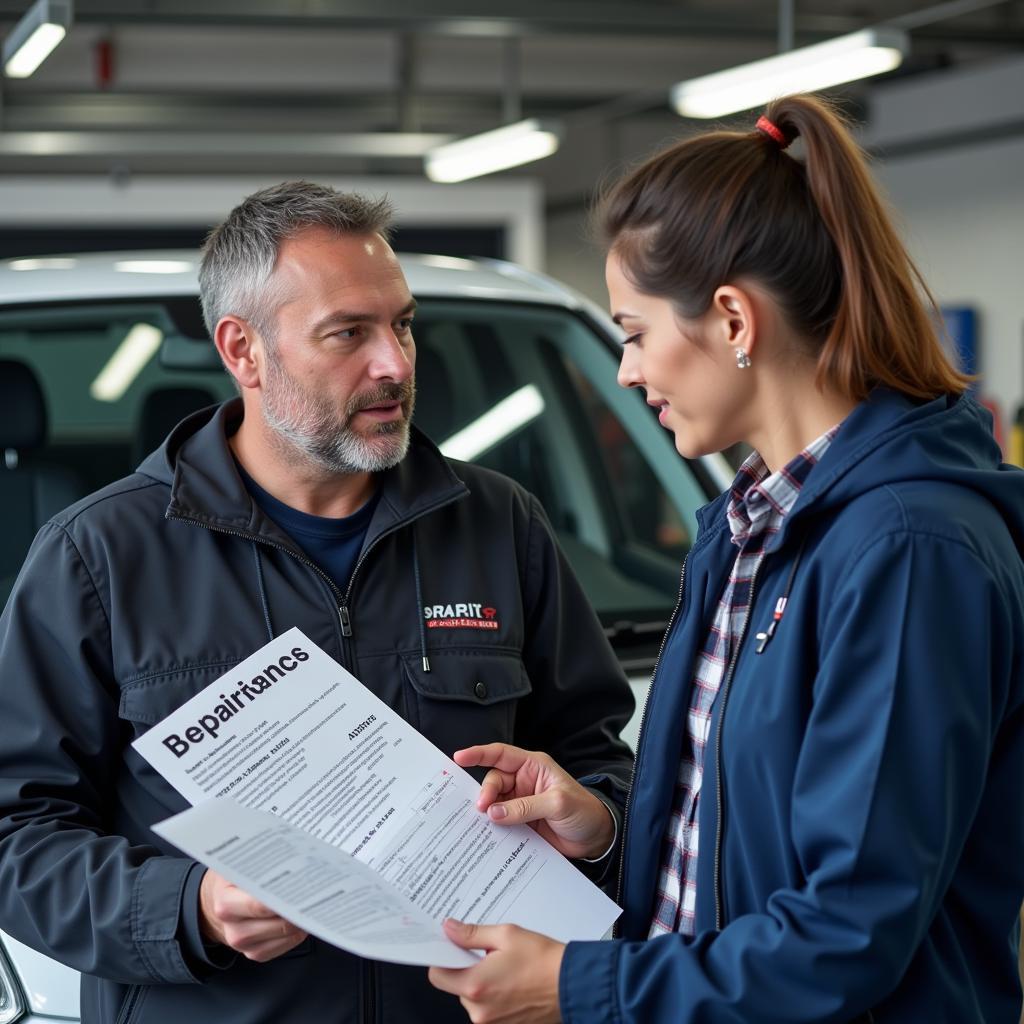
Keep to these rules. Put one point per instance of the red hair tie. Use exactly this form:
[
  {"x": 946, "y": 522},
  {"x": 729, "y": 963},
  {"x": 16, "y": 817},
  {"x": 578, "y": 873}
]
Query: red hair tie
[{"x": 773, "y": 131}]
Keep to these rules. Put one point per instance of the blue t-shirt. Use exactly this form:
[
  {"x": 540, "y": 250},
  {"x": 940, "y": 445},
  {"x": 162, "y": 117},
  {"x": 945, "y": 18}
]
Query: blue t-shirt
[{"x": 333, "y": 544}]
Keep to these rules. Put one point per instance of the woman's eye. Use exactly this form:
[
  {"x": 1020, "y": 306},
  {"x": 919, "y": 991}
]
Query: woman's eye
[{"x": 632, "y": 338}]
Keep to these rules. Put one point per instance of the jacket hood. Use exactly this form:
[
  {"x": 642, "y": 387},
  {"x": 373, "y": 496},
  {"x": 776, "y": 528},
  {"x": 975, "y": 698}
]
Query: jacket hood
[
  {"x": 159, "y": 464},
  {"x": 890, "y": 439}
]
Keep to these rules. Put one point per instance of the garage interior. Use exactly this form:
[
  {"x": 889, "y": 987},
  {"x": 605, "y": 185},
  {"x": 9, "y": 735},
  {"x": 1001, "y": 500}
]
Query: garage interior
[{"x": 152, "y": 118}]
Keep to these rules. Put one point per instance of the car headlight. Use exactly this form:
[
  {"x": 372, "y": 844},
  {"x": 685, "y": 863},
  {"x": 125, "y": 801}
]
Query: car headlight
[{"x": 12, "y": 1006}]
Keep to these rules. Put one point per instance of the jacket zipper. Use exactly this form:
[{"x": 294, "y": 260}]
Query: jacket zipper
[
  {"x": 368, "y": 991},
  {"x": 267, "y": 543},
  {"x": 367, "y": 978},
  {"x": 342, "y": 602},
  {"x": 131, "y": 1000},
  {"x": 724, "y": 698},
  {"x": 343, "y": 608},
  {"x": 640, "y": 733}
]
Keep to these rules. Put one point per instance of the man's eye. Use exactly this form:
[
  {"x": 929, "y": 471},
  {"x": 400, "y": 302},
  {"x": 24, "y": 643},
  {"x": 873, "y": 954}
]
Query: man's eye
[
  {"x": 346, "y": 332},
  {"x": 405, "y": 324}
]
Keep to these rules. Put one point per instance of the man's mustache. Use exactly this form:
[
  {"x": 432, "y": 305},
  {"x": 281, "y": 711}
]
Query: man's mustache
[{"x": 402, "y": 393}]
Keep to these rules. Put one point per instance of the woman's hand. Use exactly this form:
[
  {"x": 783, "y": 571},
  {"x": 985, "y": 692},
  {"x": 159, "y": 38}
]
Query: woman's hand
[
  {"x": 524, "y": 786},
  {"x": 516, "y": 983}
]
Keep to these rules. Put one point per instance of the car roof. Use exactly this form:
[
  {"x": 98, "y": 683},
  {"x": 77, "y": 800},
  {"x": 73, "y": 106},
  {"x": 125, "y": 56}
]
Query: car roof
[{"x": 174, "y": 272}]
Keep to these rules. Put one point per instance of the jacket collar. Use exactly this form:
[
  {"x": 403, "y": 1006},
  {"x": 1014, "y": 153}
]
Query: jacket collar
[
  {"x": 196, "y": 462},
  {"x": 845, "y": 469},
  {"x": 868, "y": 427}
]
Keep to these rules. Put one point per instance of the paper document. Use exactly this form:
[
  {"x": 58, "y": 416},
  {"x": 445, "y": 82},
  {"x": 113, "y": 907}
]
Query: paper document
[{"x": 314, "y": 796}]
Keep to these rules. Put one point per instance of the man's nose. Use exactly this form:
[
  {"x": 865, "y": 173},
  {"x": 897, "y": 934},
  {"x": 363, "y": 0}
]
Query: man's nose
[{"x": 393, "y": 358}]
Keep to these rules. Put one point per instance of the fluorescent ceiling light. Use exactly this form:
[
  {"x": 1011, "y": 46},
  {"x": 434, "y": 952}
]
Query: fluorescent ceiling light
[
  {"x": 153, "y": 266},
  {"x": 508, "y": 416},
  {"x": 808, "y": 69},
  {"x": 496, "y": 150},
  {"x": 140, "y": 344},
  {"x": 43, "y": 263},
  {"x": 33, "y": 39}
]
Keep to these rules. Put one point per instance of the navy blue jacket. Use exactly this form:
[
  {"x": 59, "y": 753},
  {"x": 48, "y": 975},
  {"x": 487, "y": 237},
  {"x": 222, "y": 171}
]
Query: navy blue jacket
[{"x": 861, "y": 818}]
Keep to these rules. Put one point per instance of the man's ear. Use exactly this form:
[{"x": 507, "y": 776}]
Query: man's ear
[
  {"x": 734, "y": 315},
  {"x": 241, "y": 353}
]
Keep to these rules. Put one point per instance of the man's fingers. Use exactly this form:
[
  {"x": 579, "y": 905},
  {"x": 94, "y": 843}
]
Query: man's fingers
[
  {"x": 261, "y": 952},
  {"x": 252, "y": 932},
  {"x": 235, "y": 905},
  {"x": 494, "y": 755}
]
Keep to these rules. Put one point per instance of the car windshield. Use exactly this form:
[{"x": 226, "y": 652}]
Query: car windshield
[{"x": 527, "y": 390}]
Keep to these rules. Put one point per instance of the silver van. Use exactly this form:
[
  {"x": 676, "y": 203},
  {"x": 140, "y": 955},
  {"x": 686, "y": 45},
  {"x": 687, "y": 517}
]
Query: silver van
[{"x": 514, "y": 371}]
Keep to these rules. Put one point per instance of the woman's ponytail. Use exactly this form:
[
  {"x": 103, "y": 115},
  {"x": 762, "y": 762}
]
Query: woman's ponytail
[
  {"x": 882, "y": 333},
  {"x": 726, "y": 205}
]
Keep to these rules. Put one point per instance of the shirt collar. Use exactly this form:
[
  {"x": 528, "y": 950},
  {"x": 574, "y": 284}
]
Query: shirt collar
[{"x": 759, "y": 498}]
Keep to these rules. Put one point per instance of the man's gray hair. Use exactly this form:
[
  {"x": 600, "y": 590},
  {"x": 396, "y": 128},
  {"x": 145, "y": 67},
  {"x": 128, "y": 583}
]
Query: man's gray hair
[{"x": 239, "y": 255}]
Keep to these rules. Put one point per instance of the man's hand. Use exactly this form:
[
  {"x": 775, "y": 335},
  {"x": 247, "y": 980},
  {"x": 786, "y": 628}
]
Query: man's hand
[
  {"x": 528, "y": 787},
  {"x": 233, "y": 918},
  {"x": 516, "y": 983}
]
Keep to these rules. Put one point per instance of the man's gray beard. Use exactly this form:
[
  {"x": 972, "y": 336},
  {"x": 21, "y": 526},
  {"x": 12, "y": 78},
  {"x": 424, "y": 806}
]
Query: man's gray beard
[{"x": 311, "y": 426}]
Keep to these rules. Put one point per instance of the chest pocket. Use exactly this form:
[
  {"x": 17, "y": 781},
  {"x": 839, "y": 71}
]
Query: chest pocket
[
  {"x": 146, "y": 701},
  {"x": 467, "y": 697},
  {"x": 146, "y": 795}
]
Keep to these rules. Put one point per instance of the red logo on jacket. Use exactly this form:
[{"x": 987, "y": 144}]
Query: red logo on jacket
[{"x": 461, "y": 615}]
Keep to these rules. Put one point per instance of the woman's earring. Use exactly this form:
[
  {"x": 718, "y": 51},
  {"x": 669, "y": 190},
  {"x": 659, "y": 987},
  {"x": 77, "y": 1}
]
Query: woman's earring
[{"x": 742, "y": 359}]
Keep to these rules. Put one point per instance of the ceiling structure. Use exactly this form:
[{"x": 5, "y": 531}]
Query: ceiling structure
[{"x": 364, "y": 86}]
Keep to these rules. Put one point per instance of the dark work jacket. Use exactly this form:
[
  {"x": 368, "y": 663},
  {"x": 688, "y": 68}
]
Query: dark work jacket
[
  {"x": 137, "y": 597},
  {"x": 861, "y": 824}
]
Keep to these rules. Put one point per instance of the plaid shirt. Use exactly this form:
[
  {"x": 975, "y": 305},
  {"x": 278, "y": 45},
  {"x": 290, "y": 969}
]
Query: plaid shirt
[{"x": 758, "y": 504}]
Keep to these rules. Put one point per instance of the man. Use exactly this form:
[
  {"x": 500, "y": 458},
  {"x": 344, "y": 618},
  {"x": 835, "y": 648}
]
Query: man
[{"x": 309, "y": 502}]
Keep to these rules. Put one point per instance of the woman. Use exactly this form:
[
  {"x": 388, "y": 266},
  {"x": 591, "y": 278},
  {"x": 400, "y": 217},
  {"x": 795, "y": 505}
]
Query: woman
[{"x": 826, "y": 820}]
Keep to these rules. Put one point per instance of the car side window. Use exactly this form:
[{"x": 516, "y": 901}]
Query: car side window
[
  {"x": 94, "y": 397},
  {"x": 531, "y": 392}
]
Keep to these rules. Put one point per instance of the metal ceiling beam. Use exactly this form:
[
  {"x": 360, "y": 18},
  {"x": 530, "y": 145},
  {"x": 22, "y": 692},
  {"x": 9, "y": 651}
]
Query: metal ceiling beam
[
  {"x": 313, "y": 112},
  {"x": 460, "y": 17},
  {"x": 489, "y": 18}
]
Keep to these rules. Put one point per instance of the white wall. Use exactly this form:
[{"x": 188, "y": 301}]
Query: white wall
[
  {"x": 963, "y": 217},
  {"x": 98, "y": 200},
  {"x": 961, "y": 204}
]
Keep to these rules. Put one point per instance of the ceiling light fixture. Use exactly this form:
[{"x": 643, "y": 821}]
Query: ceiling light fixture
[
  {"x": 517, "y": 142},
  {"x": 33, "y": 39},
  {"x": 497, "y": 150},
  {"x": 871, "y": 51}
]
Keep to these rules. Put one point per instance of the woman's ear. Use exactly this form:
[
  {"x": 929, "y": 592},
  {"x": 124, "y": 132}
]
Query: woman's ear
[{"x": 734, "y": 320}]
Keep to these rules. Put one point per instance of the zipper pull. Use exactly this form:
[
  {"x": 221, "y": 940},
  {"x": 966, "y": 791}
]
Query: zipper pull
[
  {"x": 346, "y": 622},
  {"x": 763, "y": 639}
]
